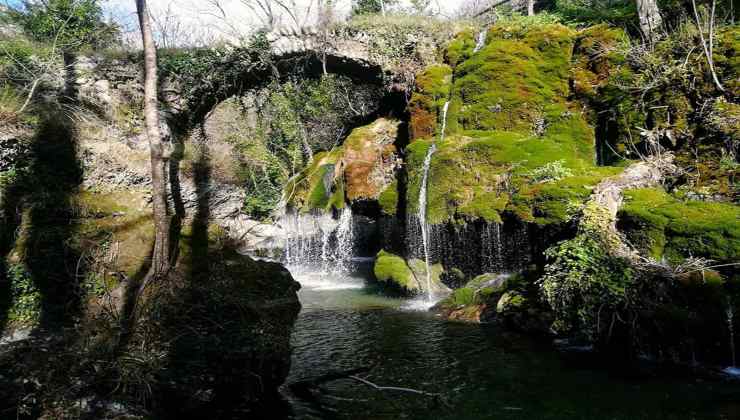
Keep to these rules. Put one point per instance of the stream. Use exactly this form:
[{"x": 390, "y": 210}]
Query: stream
[{"x": 482, "y": 371}]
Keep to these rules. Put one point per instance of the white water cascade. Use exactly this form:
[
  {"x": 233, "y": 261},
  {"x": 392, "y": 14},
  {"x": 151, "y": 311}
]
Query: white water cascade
[
  {"x": 481, "y": 42},
  {"x": 423, "y": 218},
  {"x": 319, "y": 241},
  {"x": 422, "y": 212},
  {"x": 730, "y": 313}
]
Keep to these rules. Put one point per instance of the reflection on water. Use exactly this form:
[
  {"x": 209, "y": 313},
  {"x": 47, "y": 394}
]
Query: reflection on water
[{"x": 483, "y": 372}]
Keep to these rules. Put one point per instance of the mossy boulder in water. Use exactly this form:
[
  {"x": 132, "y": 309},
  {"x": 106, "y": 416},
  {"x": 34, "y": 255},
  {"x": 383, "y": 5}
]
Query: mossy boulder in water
[
  {"x": 469, "y": 302},
  {"x": 393, "y": 270},
  {"x": 433, "y": 279},
  {"x": 410, "y": 277}
]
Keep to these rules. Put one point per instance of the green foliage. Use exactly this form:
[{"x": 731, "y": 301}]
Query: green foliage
[
  {"x": 590, "y": 12},
  {"x": 69, "y": 25},
  {"x": 581, "y": 280},
  {"x": 364, "y": 7},
  {"x": 25, "y": 296}
]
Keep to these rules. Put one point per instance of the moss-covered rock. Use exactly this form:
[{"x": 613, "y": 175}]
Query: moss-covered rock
[
  {"x": 517, "y": 82},
  {"x": 662, "y": 226},
  {"x": 433, "y": 280},
  {"x": 369, "y": 160},
  {"x": 360, "y": 169},
  {"x": 393, "y": 270},
  {"x": 472, "y": 300},
  {"x": 388, "y": 199},
  {"x": 510, "y": 121},
  {"x": 432, "y": 91},
  {"x": 316, "y": 187}
]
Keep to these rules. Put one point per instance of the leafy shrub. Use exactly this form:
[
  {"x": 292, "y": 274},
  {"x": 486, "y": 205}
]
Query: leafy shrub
[
  {"x": 582, "y": 283},
  {"x": 26, "y": 298},
  {"x": 590, "y": 12}
]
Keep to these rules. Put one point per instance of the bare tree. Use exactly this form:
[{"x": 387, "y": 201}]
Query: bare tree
[
  {"x": 708, "y": 46},
  {"x": 530, "y": 7},
  {"x": 650, "y": 19},
  {"x": 159, "y": 151}
]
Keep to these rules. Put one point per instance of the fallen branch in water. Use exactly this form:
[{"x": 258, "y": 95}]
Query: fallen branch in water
[
  {"x": 437, "y": 397},
  {"x": 303, "y": 387},
  {"x": 331, "y": 376}
]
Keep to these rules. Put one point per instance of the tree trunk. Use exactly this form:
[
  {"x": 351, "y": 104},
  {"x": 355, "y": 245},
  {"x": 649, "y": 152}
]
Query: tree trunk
[
  {"x": 650, "y": 19},
  {"x": 159, "y": 152},
  {"x": 530, "y": 7}
]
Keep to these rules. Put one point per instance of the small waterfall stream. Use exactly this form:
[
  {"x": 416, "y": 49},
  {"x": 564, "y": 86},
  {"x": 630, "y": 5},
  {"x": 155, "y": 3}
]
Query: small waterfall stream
[
  {"x": 422, "y": 213},
  {"x": 481, "y": 42},
  {"x": 423, "y": 218}
]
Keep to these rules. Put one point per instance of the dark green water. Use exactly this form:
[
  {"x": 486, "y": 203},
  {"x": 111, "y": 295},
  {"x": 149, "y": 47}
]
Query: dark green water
[{"x": 482, "y": 371}]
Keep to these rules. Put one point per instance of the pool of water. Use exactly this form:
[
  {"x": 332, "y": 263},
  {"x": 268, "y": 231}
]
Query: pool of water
[{"x": 479, "y": 371}]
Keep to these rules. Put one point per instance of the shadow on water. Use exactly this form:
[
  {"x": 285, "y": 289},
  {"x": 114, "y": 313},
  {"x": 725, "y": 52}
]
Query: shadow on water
[{"x": 39, "y": 224}]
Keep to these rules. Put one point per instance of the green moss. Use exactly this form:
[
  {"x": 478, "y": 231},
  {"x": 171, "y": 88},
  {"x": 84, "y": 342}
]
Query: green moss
[
  {"x": 315, "y": 188},
  {"x": 517, "y": 80},
  {"x": 388, "y": 199},
  {"x": 390, "y": 268},
  {"x": 509, "y": 118},
  {"x": 461, "y": 48},
  {"x": 368, "y": 160},
  {"x": 461, "y": 297},
  {"x": 432, "y": 91},
  {"x": 661, "y": 225}
]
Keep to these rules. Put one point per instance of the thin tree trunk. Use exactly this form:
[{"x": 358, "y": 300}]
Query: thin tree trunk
[
  {"x": 530, "y": 7},
  {"x": 159, "y": 153},
  {"x": 650, "y": 19}
]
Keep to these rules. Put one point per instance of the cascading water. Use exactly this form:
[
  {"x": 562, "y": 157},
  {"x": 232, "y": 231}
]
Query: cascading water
[
  {"x": 422, "y": 213},
  {"x": 319, "y": 240},
  {"x": 730, "y": 313},
  {"x": 345, "y": 241},
  {"x": 481, "y": 40},
  {"x": 423, "y": 218},
  {"x": 444, "y": 120}
]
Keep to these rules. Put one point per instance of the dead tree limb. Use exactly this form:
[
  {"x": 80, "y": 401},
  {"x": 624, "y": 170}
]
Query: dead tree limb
[
  {"x": 435, "y": 396},
  {"x": 708, "y": 47}
]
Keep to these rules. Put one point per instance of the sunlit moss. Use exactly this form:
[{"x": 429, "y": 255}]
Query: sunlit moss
[
  {"x": 661, "y": 225},
  {"x": 392, "y": 269}
]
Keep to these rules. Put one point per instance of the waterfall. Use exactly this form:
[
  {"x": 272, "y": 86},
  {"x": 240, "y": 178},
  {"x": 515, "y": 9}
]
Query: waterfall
[
  {"x": 422, "y": 212},
  {"x": 444, "y": 120},
  {"x": 731, "y": 327},
  {"x": 319, "y": 240},
  {"x": 730, "y": 314},
  {"x": 481, "y": 40},
  {"x": 345, "y": 240},
  {"x": 423, "y": 217},
  {"x": 492, "y": 252}
]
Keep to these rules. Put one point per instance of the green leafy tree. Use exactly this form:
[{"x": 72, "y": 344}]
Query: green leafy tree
[
  {"x": 364, "y": 7},
  {"x": 68, "y": 25}
]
